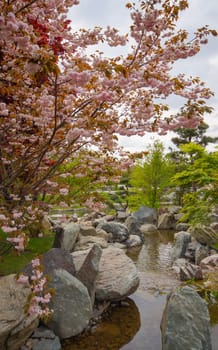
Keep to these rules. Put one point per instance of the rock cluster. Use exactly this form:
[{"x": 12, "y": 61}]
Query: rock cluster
[{"x": 87, "y": 271}]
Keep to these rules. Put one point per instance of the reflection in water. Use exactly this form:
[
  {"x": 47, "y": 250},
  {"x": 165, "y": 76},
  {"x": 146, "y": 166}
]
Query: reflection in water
[
  {"x": 154, "y": 255},
  {"x": 117, "y": 329},
  {"x": 149, "y": 335}
]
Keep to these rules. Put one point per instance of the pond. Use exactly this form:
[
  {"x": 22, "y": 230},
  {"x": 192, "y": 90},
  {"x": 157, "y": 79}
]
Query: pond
[{"x": 135, "y": 323}]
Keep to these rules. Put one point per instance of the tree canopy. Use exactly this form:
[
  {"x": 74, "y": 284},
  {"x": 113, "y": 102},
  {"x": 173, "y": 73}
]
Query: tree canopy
[{"x": 56, "y": 100}]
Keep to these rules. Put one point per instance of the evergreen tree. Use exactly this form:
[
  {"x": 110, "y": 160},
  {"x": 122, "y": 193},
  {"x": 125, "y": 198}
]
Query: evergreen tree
[{"x": 195, "y": 135}]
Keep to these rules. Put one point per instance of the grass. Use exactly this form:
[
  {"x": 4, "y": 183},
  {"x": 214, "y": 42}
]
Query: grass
[
  {"x": 13, "y": 263},
  {"x": 215, "y": 246}
]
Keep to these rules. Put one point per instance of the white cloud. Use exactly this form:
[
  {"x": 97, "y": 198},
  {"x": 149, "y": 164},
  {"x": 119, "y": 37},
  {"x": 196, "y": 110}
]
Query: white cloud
[
  {"x": 92, "y": 13},
  {"x": 213, "y": 61}
]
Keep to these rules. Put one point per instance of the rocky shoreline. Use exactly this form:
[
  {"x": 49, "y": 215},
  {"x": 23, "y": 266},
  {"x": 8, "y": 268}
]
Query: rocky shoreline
[{"x": 89, "y": 270}]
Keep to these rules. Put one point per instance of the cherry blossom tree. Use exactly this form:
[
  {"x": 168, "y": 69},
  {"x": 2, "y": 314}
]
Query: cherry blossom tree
[{"x": 56, "y": 99}]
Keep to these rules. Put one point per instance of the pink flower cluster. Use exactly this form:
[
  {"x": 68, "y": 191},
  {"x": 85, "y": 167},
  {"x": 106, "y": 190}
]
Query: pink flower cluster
[
  {"x": 40, "y": 297},
  {"x": 18, "y": 242}
]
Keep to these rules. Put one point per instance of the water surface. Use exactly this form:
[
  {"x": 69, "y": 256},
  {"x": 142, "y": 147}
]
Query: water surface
[{"x": 135, "y": 324}]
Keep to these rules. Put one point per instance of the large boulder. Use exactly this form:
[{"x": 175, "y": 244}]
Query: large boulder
[
  {"x": 182, "y": 239},
  {"x": 66, "y": 236},
  {"x": 117, "y": 277},
  {"x": 71, "y": 304},
  {"x": 87, "y": 267},
  {"x": 15, "y": 325},
  {"x": 119, "y": 232},
  {"x": 185, "y": 323},
  {"x": 146, "y": 215},
  {"x": 204, "y": 234},
  {"x": 55, "y": 258}
]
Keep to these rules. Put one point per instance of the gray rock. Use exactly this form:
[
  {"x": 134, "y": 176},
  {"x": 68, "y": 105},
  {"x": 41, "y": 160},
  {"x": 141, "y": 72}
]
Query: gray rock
[
  {"x": 213, "y": 217},
  {"x": 55, "y": 258},
  {"x": 185, "y": 323},
  {"x": 187, "y": 271},
  {"x": 103, "y": 234},
  {"x": 119, "y": 245},
  {"x": 182, "y": 239},
  {"x": 119, "y": 231},
  {"x": 182, "y": 226},
  {"x": 166, "y": 221},
  {"x": 190, "y": 272},
  {"x": 71, "y": 304},
  {"x": 214, "y": 226},
  {"x": 146, "y": 215},
  {"x": 44, "y": 338},
  {"x": 87, "y": 242},
  {"x": 178, "y": 263},
  {"x": 133, "y": 226},
  {"x": 210, "y": 262},
  {"x": 87, "y": 229},
  {"x": 89, "y": 269},
  {"x": 204, "y": 234},
  {"x": 148, "y": 228},
  {"x": 174, "y": 209},
  {"x": 201, "y": 252},
  {"x": 117, "y": 276},
  {"x": 134, "y": 241},
  {"x": 66, "y": 236},
  {"x": 190, "y": 250},
  {"x": 121, "y": 215},
  {"x": 15, "y": 325}
]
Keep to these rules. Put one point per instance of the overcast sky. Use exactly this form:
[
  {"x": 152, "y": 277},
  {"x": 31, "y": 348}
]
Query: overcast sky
[{"x": 90, "y": 13}]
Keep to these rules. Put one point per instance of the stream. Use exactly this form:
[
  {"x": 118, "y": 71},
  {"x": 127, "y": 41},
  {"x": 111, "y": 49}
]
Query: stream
[{"x": 135, "y": 323}]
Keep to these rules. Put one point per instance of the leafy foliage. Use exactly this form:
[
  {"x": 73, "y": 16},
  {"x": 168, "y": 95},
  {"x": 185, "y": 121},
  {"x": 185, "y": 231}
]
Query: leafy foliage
[
  {"x": 201, "y": 181},
  {"x": 150, "y": 178}
]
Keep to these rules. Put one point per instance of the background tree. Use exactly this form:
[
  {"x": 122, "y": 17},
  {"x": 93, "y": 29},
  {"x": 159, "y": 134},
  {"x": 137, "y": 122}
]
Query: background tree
[
  {"x": 150, "y": 178},
  {"x": 182, "y": 159},
  {"x": 201, "y": 179},
  {"x": 195, "y": 135}
]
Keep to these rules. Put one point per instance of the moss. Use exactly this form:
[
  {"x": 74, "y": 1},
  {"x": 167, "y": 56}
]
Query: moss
[{"x": 215, "y": 246}]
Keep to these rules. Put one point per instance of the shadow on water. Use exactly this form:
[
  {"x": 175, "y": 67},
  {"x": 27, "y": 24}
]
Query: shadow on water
[
  {"x": 119, "y": 326},
  {"x": 135, "y": 325}
]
